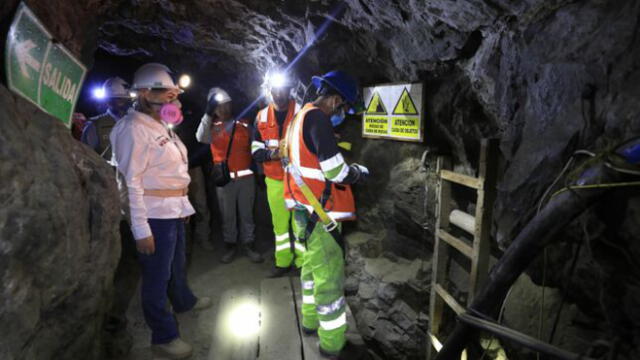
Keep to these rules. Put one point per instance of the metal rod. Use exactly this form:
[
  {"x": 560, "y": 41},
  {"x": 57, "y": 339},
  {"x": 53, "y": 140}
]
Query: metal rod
[{"x": 522, "y": 339}]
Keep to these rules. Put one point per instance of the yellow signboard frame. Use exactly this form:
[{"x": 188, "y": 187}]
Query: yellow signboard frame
[{"x": 404, "y": 107}]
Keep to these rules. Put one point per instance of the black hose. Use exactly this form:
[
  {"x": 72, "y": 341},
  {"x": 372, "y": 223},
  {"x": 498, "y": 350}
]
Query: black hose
[
  {"x": 564, "y": 296},
  {"x": 560, "y": 211}
]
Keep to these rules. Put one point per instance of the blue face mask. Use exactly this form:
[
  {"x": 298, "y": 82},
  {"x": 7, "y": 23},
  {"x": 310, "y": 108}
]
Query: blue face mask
[{"x": 337, "y": 119}]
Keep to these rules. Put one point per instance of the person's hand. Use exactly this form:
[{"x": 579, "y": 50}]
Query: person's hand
[
  {"x": 362, "y": 171},
  {"x": 146, "y": 246},
  {"x": 212, "y": 104}
]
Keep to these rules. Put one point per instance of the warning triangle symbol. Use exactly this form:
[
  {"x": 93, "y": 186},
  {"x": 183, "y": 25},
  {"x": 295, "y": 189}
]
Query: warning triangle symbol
[
  {"x": 405, "y": 105},
  {"x": 376, "y": 106}
]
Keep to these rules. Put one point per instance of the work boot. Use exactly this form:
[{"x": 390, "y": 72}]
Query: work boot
[
  {"x": 327, "y": 354},
  {"x": 202, "y": 303},
  {"x": 277, "y": 271},
  {"x": 229, "y": 253},
  {"x": 176, "y": 349},
  {"x": 309, "y": 332},
  {"x": 254, "y": 256}
]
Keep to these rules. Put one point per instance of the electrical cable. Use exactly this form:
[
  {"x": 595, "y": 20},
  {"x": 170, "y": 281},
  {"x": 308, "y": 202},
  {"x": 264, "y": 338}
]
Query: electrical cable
[
  {"x": 622, "y": 170},
  {"x": 596, "y": 186},
  {"x": 562, "y": 172}
]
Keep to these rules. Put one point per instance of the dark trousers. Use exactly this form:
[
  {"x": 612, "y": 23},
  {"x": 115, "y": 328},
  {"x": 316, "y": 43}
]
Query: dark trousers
[
  {"x": 164, "y": 278},
  {"x": 236, "y": 200}
]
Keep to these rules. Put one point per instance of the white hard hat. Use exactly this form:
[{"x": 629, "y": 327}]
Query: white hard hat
[
  {"x": 154, "y": 76},
  {"x": 220, "y": 95},
  {"x": 115, "y": 87}
]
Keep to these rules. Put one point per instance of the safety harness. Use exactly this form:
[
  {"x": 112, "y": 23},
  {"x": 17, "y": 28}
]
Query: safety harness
[{"x": 319, "y": 214}]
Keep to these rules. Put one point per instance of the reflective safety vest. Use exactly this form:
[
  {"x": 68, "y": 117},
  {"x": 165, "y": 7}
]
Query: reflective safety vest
[
  {"x": 340, "y": 206},
  {"x": 240, "y": 155},
  {"x": 270, "y": 133},
  {"x": 103, "y": 124}
]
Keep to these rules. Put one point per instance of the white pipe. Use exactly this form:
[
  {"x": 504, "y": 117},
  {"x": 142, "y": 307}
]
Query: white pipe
[{"x": 463, "y": 220}]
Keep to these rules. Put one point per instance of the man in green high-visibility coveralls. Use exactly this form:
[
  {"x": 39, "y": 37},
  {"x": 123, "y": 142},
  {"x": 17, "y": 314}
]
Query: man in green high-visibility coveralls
[
  {"x": 270, "y": 128},
  {"x": 317, "y": 190}
]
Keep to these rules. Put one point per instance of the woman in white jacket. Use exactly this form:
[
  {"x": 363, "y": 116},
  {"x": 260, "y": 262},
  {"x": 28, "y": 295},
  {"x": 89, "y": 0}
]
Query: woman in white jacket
[{"x": 153, "y": 162}]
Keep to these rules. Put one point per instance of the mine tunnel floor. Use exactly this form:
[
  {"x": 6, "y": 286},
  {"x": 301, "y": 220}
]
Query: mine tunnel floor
[{"x": 237, "y": 287}]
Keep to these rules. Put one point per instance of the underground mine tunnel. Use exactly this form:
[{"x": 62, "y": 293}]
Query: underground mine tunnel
[{"x": 491, "y": 150}]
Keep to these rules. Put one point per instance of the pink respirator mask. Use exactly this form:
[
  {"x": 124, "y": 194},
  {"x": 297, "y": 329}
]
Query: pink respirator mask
[{"x": 171, "y": 114}]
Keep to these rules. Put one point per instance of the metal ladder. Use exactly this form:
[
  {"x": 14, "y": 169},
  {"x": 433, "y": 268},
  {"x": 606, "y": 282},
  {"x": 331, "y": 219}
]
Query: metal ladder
[{"x": 479, "y": 226}]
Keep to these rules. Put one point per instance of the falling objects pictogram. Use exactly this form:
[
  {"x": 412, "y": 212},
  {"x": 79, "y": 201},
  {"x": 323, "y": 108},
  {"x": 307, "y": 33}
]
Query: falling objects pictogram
[{"x": 405, "y": 105}]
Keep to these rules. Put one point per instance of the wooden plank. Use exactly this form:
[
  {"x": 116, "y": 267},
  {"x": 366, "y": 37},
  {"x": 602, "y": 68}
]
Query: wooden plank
[
  {"x": 461, "y": 179},
  {"x": 450, "y": 300},
  {"x": 440, "y": 251},
  {"x": 460, "y": 245},
  {"x": 230, "y": 341},
  {"x": 279, "y": 334},
  {"x": 484, "y": 214}
]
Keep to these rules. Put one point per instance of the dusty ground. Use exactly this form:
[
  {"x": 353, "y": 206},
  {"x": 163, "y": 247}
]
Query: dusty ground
[{"x": 208, "y": 277}]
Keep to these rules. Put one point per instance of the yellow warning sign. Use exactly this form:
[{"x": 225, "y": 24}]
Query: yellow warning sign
[
  {"x": 406, "y": 127},
  {"x": 376, "y": 125},
  {"x": 394, "y": 111},
  {"x": 405, "y": 105},
  {"x": 376, "y": 106}
]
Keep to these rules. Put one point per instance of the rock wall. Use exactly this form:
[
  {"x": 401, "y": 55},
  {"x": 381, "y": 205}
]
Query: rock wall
[{"x": 59, "y": 240}]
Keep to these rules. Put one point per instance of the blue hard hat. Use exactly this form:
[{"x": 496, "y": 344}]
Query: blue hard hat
[{"x": 340, "y": 81}]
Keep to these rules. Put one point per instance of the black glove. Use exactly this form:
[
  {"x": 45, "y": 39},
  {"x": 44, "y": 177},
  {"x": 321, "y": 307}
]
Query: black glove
[
  {"x": 273, "y": 154},
  {"x": 361, "y": 171},
  {"x": 212, "y": 104}
]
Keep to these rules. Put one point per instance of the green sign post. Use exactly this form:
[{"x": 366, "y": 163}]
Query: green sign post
[{"x": 41, "y": 70}]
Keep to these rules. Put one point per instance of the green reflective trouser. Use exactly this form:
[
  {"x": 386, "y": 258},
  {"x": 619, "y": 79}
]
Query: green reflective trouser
[
  {"x": 281, "y": 217},
  {"x": 322, "y": 277}
]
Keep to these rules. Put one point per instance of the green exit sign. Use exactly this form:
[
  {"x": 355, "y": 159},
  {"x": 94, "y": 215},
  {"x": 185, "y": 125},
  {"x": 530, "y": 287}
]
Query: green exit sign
[{"x": 41, "y": 70}]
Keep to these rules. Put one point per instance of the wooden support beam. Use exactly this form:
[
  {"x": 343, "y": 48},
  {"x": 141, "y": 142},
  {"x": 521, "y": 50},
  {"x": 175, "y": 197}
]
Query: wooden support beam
[
  {"x": 440, "y": 250},
  {"x": 461, "y": 179},
  {"x": 460, "y": 245},
  {"x": 484, "y": 214},
  {"x": 449, "y": 299}
]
